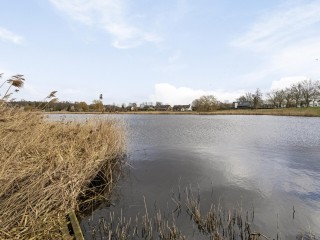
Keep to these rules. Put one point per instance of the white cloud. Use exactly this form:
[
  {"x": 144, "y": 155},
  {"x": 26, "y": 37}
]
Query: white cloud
[
  {"x": 8, "y": 36},
  {"x": 167, "y": 93},
  {"x": 286, "y": 82},
  {"x": 286, "y": 42},
  {"x": 282, "y": 25},
  {"x": 293, "y": 60},
  {"x": 109, "y": 15},
  {"x": 298, "y": 58}
]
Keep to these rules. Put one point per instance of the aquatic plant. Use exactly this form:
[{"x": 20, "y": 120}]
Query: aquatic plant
[
  {"x": 215, "y": 223},
  {"x": 49, "y": 169}
]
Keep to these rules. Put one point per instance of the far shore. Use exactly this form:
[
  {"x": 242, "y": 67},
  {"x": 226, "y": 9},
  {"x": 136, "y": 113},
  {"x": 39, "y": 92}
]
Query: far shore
[{"x": 302, "y": 112}]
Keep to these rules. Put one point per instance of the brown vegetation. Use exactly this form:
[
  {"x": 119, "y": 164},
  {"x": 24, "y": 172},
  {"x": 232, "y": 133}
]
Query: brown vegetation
[
  {"x": 303, "y": 112},
  {"x": 48, "y": 169},
  {"x": 215, "y": 223}
]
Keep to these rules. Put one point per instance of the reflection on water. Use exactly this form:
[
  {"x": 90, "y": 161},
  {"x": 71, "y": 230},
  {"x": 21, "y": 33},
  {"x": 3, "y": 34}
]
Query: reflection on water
[{"x": 269, "y": 164}]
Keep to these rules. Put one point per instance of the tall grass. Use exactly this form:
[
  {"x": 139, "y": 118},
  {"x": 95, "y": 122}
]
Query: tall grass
[
  {"x": 213, "y": 223},
  {"x": 51, "y": 168}
]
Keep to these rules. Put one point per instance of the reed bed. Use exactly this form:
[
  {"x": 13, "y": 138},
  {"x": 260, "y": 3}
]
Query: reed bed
[
  {"x": 49, "y": 169},
  {"x": 146, "y": 226},
  {"x": 215, "y": 223}
]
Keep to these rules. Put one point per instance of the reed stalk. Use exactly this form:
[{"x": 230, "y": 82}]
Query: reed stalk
[{"x": 49, "y": 169}]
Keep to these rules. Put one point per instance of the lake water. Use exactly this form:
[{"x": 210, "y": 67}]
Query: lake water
[{"x": 268, "y": 165}]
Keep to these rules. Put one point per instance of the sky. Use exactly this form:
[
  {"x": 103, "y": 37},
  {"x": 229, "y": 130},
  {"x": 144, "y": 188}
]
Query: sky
[{"x": 171, "y": 51}]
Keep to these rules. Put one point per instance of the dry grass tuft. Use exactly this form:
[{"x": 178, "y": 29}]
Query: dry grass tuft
[
  {"x": 51, "y": 168},
  {"x": 216, "y": 224}
]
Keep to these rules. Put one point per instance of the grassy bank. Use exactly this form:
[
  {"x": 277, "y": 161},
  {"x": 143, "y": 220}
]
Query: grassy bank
[
  {"x": 49, "y": 169},
  {"x": 129, "y": 112},
  {"x": 303, "y": 112}
]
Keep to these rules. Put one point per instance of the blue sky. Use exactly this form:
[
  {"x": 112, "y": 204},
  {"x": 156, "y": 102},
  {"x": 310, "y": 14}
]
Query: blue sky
[{"x": 171, "y": 51}]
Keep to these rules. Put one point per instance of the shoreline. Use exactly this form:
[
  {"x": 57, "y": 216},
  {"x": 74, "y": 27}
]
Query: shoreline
[
  {"x": 52, "y": 169},
  {"x": 293, "y": 112}
]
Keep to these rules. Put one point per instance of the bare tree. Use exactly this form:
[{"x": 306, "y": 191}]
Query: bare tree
[
  {"x": 280, "y": 96},
  {"x": 248, "y": 97},
  {"x": 242, "y": 99},
  {"x": 158, "y": 104},
  {"x": 288, "y": 97},
  {"x": 316, "y": 95},
  {"x": 272, "y": 98},
  {"x": 309, "y": 91},
  {"x": 257, "y": 98},
  {"x": 97, "y": 105},
  {"x": 296, "y": 92},
  {"x": 205, "y": 104}
]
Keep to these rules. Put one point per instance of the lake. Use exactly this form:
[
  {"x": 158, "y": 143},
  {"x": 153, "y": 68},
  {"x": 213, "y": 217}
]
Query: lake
[{"x": 267, "y": 165}]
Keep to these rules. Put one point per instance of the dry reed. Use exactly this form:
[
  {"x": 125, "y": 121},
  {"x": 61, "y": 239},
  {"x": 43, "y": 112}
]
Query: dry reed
[
  {"x": 49, "y": 169},
  {"x": 214, "y": 223}
]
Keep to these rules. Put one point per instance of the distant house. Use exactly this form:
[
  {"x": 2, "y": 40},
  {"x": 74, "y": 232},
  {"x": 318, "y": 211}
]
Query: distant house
[
  {"x": 163, "y": 107},
  {"x": 241, "y": 105},
  {"x": 181, "y": 108},
  {"x": 314, "y": 103},
  {"x": 146, "y": 106},
  {"x": 131, "y": 107}
]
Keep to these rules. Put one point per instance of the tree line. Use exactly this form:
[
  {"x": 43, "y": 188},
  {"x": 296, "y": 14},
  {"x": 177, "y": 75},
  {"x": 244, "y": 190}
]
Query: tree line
[{"x": 301, "y": 94}]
